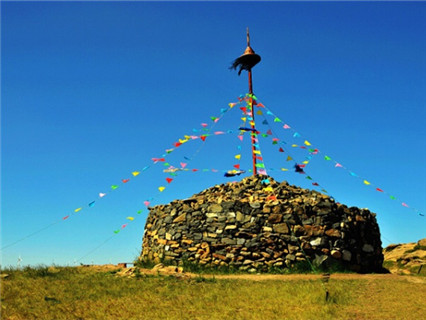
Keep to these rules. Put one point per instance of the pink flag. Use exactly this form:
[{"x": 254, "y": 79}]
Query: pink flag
[
  {"x": 183, "y": 164},
  {"x": 338, "y": 165},
  {"x": 219, "y": 132},
  {"x": 286, "y": 126},
  {"x": 240, "y": 137},
  {"x": 204, "y": 125},
  {"x": 123, "y": 226},
  {"x": 65, "y": 218},
  {"x": 146, "y": 203},
  {"x": 261, "y": 171},
  {"x": 405, "y": 205}
]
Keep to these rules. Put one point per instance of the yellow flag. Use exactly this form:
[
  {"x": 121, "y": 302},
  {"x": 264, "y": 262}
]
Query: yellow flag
[
  {"x": 161, "y": 189},
  {"x": 259, "y": 112},
  {"x": 305, "y": 162},
  {"x": 130, "y": 218},
  {"x": 268, "y": 189},
  {"x": 183, "y": 140},
  {"x": 238, "y": 156},
  {"x": 256, "y": 151},
  {"x": 251, "y": 123},
  {"x": 187, "y": 137},
  {"x": 284, "y": 169},
  {"x": 294, "y": 145},
  {"x": 366, "y": 182},
  {"x": 307, "y": 143},
  {"x": 289, "y": 158},
  {"x": 78, "y": 209},
  {"x": 135, "y": 173},
  {"x": 244, "y": 119}
]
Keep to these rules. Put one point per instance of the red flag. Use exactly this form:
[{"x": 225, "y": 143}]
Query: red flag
[
  {"x": 169, "y": 180},
  {"x": 315, "y": 184},
  {"x": 281, "y": 150},
  {"x": 237, "y": 166},
  {"x": 125, "y": 180},
  {"x": 378, "y": 189},
  {"x": 65, "y": 218},
  {"x": 194, "y": 170},
  {"x": 203, "y": 138},
  {"x": 177, "y": 144},
  {"x": 269, "y": 132}
]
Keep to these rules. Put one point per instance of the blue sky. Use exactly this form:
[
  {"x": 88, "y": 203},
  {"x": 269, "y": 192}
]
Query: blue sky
[{"x": 91, "y": 92}]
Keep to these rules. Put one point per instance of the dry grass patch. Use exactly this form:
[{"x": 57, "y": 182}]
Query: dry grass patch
[{"x": 71, "y": 294}]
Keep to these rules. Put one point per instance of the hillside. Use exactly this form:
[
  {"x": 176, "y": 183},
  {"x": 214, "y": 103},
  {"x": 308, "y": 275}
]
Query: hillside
[{"x": 406, "y": 258}]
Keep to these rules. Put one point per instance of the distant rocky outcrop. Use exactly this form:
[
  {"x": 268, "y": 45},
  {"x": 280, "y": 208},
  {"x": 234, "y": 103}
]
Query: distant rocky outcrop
[
  {"x": 257, "y": 224},
  {"x": 406, "y": 258}
]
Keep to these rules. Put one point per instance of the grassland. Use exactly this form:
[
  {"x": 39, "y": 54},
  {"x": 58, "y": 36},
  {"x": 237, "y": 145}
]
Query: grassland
[{"x": 78, "y": 293}]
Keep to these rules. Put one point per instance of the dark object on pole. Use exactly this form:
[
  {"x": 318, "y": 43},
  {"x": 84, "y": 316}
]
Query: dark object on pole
[{"x": 246, "y": 61}]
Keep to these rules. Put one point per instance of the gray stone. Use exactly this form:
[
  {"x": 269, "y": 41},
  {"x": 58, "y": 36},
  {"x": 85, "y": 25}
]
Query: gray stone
[
  {"x": 367, "y": 248},
  {"x": 240, "y": 241},
  {"x": 290, "y": 257},
  {"x": 229, "y": 241},
  {"x": 240, "y": 217},
  {"x": 346, "y": 255},
  {"x": 215, "y": 208},
  {"x": 255, "y": 205},
  {"x": 317, "y": 242},
  {"x": 281, "y": 228}
]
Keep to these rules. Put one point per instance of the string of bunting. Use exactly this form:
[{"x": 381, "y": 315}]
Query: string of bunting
[
  {"x": 203, "y": 133},
  {"x": 307, "y": 145},
  {"x": 300, "y": 167}
]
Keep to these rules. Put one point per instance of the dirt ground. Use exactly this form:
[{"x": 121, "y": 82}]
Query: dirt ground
[{"x": 178, "y": 272}]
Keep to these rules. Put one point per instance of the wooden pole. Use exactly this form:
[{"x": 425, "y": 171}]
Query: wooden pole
[{"x": 253, "y": 137}]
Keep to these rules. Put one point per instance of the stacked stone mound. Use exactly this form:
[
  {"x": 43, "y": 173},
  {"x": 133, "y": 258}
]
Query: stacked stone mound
[{"x": 254, "y": 226}]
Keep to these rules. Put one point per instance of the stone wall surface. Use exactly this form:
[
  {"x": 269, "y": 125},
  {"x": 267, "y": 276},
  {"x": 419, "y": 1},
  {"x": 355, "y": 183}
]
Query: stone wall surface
[{"x": 256, "y": 224}]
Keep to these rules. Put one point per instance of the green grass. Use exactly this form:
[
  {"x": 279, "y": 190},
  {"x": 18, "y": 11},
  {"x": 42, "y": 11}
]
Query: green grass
[
  {"x": 78, "y": 293},
  {"x": 416, "y": 247},
  {"x": 299, "y": 267}
]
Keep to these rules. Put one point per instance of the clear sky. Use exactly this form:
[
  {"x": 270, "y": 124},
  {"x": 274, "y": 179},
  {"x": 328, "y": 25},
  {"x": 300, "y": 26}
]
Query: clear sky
[{"x": 90, "y": 92}]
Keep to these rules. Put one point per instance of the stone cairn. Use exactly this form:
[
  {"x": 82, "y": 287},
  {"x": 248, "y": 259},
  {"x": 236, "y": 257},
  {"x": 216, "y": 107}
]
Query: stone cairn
[{"x": 253, "y": 226}]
